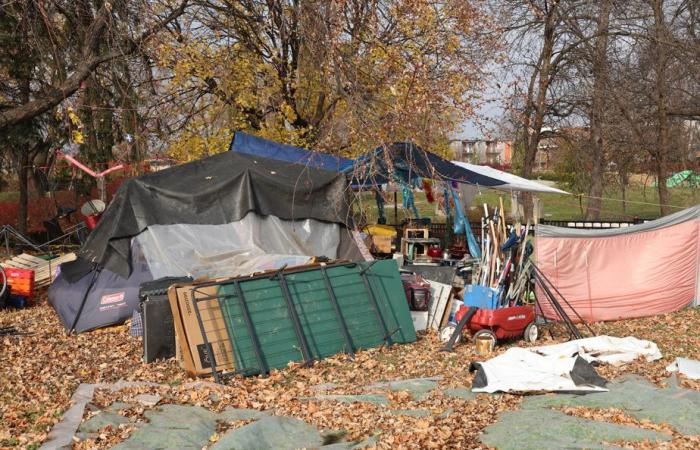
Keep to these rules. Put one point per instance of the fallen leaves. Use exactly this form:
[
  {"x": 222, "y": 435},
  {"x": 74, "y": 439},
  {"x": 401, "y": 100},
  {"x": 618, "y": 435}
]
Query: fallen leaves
[{"x": 44, "y": 369}]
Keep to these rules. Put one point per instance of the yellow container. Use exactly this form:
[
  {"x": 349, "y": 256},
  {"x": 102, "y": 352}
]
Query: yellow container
[{"x": 380, "y": 230}]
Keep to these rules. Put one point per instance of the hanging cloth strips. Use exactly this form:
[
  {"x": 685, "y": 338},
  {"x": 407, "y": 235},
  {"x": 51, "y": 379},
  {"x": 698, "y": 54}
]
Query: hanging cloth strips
[
  {"x": 428, "y": 188},
  {"x": 448, "y": 211},
  {"x": 462, "y": 226},
  {"x": 409, "y": 201}
]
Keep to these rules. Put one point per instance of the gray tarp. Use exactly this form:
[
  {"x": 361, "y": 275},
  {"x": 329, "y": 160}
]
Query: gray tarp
[{"x": 667, "y": 221}]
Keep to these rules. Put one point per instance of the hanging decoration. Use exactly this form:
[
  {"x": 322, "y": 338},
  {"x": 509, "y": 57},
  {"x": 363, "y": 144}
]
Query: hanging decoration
[
  {"x": 462, "y": 226},
  {"x": 409, "y": 202},
  {"x": 448, "y": 210},
  {"x": 428, "y": 188}
]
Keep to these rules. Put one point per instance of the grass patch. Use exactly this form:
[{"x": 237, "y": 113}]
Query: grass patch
[
  {"x": 9, "y": 196},
  {"x": 640, "y": 202}
]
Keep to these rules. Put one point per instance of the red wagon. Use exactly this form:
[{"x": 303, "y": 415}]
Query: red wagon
[{"x": 501, "y": 323}]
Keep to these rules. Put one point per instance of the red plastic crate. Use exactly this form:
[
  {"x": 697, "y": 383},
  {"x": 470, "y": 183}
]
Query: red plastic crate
[{"x": 21, "y": 281}]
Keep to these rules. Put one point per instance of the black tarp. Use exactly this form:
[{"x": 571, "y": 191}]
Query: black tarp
[
  {"x": 214, "y": 190},
  {"x": 407, "y": 161}
]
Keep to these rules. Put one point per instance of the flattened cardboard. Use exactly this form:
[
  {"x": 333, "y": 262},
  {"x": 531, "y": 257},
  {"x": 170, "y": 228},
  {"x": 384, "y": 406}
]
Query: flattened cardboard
[{"x": 191, "y": 342}]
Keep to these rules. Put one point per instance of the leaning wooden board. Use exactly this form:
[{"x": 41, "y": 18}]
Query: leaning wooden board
[{"x": 43, "y": 270}]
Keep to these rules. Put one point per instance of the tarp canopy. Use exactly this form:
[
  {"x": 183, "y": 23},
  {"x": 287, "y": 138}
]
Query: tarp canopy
[
  {"x": 512, "y": 182},
  {"x": 215, "y": 190},
  {"x": 406, "y": 160},
  {"x": 403, "y": 159},
  {"x": 253, "y": 145},
  {"x": 618, "y": 273}
]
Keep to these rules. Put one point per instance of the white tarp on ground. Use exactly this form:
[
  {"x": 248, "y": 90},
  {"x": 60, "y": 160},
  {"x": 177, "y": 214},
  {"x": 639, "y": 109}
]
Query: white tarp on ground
[
  {"x": 513, "y": 182},
  {"x": 249, "y": 245},
  {"x": 688, "y": 367},
  {"x": 549, "y": 368}
]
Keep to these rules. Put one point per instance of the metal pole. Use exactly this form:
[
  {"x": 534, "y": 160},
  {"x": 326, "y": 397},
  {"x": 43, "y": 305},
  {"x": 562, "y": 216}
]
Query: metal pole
[
  {"x": 293, "y": 316},
  {"x": 544, "y": 277},
  {"x": 396, "y": 208},
  {"x": 375, "y": 305},
  {"x": 96, "y": 272},
  {"x": 251, "y": 331},
  {"x": 557, "y": 306},
  {"x": 207, "y": 345}
]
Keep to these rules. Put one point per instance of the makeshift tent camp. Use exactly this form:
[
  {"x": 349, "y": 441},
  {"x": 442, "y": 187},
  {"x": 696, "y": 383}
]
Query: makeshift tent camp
[
  {"x": 227, "y": 214},
  {"x": 253, "y": 145},
  {"x": 637, "y": 271}
]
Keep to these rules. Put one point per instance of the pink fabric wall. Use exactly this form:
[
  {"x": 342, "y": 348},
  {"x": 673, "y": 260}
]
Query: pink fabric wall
[{"x": 629, "y": 275}]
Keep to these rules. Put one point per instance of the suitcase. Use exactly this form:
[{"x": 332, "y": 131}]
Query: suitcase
[{"x": 157, "y": 318}]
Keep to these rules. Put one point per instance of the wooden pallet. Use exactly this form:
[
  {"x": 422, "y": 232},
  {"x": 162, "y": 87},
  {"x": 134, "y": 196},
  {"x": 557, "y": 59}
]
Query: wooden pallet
[{"x": 43, "y": 270}]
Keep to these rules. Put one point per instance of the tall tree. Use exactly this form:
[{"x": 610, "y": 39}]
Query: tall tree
[
  {"x": 91, "y": 23},
  {"x": 599, "y": 73},
  {"x": 340, "y": 76},
  {"x": 49, "y": 51}
]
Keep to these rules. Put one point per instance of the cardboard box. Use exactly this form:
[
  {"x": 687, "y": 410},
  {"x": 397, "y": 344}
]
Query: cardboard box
[
  {"x": 381, "y": 244},
  {"x": 193, "y": 352}
]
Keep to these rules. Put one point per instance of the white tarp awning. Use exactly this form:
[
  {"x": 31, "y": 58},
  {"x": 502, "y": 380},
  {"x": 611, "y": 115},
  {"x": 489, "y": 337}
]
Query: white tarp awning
[{"x": 513, "y": 182}]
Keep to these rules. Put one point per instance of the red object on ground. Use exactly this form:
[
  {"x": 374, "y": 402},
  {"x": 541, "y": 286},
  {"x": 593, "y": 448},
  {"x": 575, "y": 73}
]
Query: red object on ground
[
  {"x": 21, "y": 281},
  {"x": 504, "y": 322},
  {"x": 435, "y": 251}
]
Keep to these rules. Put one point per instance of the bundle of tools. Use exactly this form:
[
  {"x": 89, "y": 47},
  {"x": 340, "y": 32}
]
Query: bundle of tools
[
  {"x": 507, "y": 269},
  {"x": 505, "y": 253}
]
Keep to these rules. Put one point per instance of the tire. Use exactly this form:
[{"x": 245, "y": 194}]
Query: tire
[
  {"x": 487, "y": 334},
  {"x": 531, "y": 333},
  {"x": 3, "y": 283}
]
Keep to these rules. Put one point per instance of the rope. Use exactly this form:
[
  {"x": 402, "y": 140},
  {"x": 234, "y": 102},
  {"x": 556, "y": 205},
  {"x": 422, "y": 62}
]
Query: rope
[{"x": 632, "y": 201}]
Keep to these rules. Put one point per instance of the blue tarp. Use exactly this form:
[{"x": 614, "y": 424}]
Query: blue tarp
[
  {"x": 400, "y": 160},
  {"x": 253, "y": 145}
]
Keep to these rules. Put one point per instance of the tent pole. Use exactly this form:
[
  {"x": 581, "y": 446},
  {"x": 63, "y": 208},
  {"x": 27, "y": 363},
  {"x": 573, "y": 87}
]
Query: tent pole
[
  {"x": 396, "y": 209},
  {"x": 96, "y": 271}
]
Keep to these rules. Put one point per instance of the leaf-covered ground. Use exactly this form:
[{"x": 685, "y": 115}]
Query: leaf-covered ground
[{"x": 40, "y": 371}]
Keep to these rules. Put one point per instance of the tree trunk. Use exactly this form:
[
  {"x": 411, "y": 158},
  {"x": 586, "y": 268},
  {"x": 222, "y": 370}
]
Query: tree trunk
[
  {"x": 598, "y": 105},
  {"x": 23, "y": 180},
  {"x": 661, "y": 65},
  {"x": 536, "y": 107},
  {"x": 623, "y": 189}
]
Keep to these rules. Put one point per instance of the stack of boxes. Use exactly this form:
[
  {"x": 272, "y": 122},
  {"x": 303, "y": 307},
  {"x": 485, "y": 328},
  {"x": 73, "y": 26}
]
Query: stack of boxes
[{"x": 21, "y": 285}]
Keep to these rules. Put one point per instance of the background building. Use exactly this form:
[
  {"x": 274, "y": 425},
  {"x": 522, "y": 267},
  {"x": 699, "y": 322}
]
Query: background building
[{"x": 487, "y": 152}]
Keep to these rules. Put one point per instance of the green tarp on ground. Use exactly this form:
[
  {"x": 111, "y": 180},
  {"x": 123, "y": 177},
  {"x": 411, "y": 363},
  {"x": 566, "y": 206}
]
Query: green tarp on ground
[
  {"x": 322, "y": 327},
  {"x": 683, "y": 178}
]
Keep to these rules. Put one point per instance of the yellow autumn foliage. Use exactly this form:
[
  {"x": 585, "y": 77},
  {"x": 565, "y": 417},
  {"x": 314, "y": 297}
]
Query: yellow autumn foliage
[{"x": 408, "y": 72}]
